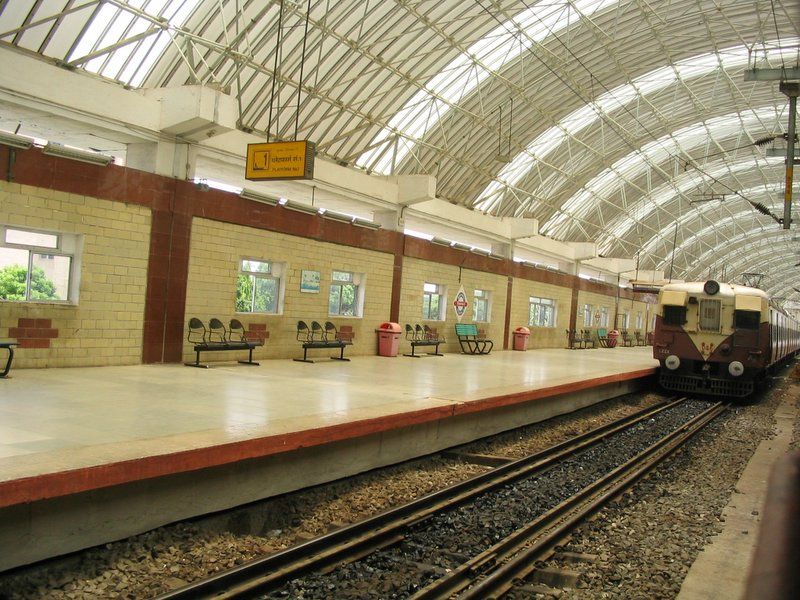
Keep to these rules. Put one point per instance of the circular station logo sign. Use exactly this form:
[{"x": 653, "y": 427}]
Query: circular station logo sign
[{"x": 460, "y": 303}]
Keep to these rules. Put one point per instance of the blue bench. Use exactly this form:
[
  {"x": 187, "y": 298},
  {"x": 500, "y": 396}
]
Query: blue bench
[
  {"x": 10, "y": 347},
  {"x": 471, "y": 341},
  {"x": 316, "y": 337},
  {"x": 217, "y": 338}
]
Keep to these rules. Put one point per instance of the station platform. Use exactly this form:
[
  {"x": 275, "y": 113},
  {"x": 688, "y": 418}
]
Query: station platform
[{"x": 90, "y": 455}]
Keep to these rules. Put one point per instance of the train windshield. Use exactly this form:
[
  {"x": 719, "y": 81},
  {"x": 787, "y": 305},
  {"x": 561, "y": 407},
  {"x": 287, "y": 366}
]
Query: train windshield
[
  {"x": 746, "y": 319},
  {"x": 709, "y": 315},
  {"x": 674, "y": 315}
]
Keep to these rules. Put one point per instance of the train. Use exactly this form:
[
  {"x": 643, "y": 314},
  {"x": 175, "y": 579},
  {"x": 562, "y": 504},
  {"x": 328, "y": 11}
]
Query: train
[{"x": 719, "y": 339}]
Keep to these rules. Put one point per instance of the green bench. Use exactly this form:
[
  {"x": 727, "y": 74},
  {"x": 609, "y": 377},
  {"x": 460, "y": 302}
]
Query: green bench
[{"x": 471, "y": 342}]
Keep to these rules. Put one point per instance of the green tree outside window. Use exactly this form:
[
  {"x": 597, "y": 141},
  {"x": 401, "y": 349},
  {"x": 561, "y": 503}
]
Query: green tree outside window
[{"x": 13, "y": 281}]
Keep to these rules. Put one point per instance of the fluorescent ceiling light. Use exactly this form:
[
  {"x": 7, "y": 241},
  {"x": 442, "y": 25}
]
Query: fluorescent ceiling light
[
  {"x": 359, "y": 222},
  {"x": 300, "y": 207},
  {"x": 440, "y": 241},
  {"x": 12, "y": 140},
  {"x": 87, "y": 156},
  {"x": 460, "y": 246},
  {"x": 258, "y": 197},
  {"x": 480, "y": 251},
  {"x": 421, "y": 235},
  {"x": 335, "y": 216},
  {"x": 497, "y": 256}
]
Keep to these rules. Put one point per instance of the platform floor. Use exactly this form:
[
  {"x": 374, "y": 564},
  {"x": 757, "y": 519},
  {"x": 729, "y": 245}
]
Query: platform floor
[{"x": 64, "y": 431}]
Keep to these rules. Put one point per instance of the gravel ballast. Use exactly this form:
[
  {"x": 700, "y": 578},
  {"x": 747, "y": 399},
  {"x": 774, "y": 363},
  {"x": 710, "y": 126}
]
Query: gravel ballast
[{"x": 646, "y": 542}]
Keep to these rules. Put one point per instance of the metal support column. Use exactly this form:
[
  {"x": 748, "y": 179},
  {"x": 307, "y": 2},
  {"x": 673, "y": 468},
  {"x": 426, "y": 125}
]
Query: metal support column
[{"x": 790, "y": 88}]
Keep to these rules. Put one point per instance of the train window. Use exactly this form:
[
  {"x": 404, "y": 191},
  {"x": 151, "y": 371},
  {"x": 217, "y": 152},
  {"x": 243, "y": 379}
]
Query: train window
[
  {"x": 746, "y": 319},
  {"x": 709, "y": 315},
  {"x": 674, "y": 315}
]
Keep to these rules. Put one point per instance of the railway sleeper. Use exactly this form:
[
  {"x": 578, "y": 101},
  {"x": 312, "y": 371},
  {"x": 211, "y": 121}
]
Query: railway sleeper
[
  {"x": 486, "y": 460},
  {"x": 555, "y": 578},
  {"x": 544, "y": 590},
  {"x": 426, "y": 568},
  {"x": 457, "y": 557},
  {"x": 576, "y": 558}
]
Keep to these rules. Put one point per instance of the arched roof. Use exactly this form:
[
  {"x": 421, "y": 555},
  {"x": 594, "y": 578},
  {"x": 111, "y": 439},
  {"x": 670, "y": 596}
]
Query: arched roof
[{"x": 604, "y": 119}]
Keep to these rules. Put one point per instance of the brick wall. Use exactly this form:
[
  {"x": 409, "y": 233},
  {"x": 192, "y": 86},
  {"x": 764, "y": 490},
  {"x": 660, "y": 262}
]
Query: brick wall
[
  {"x": 105, "y": 327},
  {"x": 541, "y": 337},
  {"x": 417, "y": 272},
  {"x": 596, "y": 300},
  {"x": 215, "y": 254}
]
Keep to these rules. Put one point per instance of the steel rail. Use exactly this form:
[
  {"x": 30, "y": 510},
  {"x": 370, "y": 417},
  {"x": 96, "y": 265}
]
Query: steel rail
[
  {"x": 359, "y": 539},
  {"x": 494, "y": 572}
]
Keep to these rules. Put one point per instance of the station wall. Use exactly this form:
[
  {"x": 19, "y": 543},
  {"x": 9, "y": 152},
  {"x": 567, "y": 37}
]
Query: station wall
[
  {"x": 217, "y": 250},
  {"x": 418, "y": 272},
  {"x": 105, "y": 326},
  {"x": 541, "y": 337},
  {"x": 157, "y": 251}
]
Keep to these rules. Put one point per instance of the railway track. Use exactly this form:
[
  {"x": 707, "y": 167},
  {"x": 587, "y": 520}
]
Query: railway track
[{"x": 420, "y": 541}]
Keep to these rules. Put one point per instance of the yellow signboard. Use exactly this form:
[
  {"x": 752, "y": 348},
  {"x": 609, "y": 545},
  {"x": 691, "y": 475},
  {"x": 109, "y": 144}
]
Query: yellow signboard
[{"x": 280, "y": 160}]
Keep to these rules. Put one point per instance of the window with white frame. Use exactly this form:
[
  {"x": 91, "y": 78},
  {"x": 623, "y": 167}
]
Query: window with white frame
[
  {"x": 603, "y": 316},
  {"x": 38, "y": 266},
  {"x": 346, "y": 296},
  {"x": 433, "y": 301},
  {"x": 639, "y": 320},
  {"x": 481, "y": 306},
  {"x": 258, "y": 287},
  {"x": 587, "y": 315},
  {"x": 624, "y": 320},
  {"x": 542, "y": 312}
]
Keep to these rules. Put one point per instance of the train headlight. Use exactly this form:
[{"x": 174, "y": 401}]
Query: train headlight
[
  {"x": 672, "y": 362},
  {"x": 735, "y": 368}
]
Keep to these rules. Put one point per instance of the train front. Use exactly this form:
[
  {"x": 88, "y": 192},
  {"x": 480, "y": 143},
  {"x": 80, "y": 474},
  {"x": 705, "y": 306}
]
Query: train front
[{"x": 711, "y": 338}]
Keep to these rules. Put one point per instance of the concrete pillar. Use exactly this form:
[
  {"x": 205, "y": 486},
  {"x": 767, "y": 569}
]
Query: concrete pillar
[
  {"x": 162, "y": 158},
  {"x": 391, "y": 220},
  {"x": 503, "y": 249}
]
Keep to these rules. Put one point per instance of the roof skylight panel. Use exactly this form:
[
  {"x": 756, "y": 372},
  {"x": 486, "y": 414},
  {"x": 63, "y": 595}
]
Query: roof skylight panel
[
  {"x": 685, "y": 183},
  {"x": 634, "y": 164},
  {"x": 752, "y": 193},
  {"x": 696, "y": 236},
  {"x": 498, "y": 48},
  {"x": 90, "y": 39},
  {"x": 617, "y": 98},
  {"x": 113, "y": 24}
]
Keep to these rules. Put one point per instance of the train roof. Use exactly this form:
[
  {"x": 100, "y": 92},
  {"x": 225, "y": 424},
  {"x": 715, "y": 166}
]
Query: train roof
[{"x": 725, "y": 289}]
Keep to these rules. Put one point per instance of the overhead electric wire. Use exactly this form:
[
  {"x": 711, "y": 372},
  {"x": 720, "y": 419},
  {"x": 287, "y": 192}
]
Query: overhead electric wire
[{"x": 777, "y": 33}]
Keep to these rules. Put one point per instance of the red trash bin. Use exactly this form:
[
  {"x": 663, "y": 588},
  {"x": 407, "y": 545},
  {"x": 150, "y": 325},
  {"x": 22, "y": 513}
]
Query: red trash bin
[
  {"x": 388, "y": 339},
  {"x": 521, "y": 335},
  {"x": 612, "y": 338}
]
